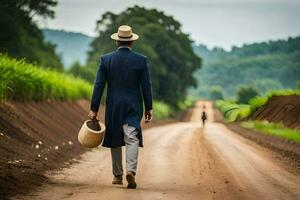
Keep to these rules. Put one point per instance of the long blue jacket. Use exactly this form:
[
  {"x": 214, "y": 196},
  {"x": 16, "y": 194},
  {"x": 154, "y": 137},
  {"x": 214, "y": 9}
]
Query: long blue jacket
[{"x": 127, "y": 76}]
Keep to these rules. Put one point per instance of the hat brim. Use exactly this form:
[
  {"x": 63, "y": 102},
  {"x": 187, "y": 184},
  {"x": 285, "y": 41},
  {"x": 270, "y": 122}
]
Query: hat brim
[{"x": 117, "y": 38}]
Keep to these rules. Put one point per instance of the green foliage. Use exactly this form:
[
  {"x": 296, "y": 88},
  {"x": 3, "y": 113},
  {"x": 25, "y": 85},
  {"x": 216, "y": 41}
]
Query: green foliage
[
  {"x": 20, "y": 37},
  {"x": 216, "y": 93},
  {"x": 82, "y": 72},
  {"x": 172, "y": 59},
  {"x": 232, "y": 111},
  {"x": 185, "y": 104},
  {"x": 161, "y": 110},
  {"x": 22, "y": 81},
  {"x": 275, "y": 129},
  {"x": 245, "y": 93},
  {"x": 266, "y": 66}
]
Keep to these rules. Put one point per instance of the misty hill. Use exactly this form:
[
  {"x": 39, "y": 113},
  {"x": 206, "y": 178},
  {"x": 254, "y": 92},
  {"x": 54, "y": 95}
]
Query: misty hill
[
  {"x": 70, "y": 46},
  {"x": 264, "y": 66}
]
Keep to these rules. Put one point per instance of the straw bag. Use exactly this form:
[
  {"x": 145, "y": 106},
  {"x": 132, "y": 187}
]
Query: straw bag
[{"x": 91, "y": 133}]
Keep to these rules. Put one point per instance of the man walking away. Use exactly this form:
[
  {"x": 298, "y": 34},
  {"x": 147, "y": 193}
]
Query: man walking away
[
  {"x": 204, "y": 118},
  {"x": 127, "y": 76}
]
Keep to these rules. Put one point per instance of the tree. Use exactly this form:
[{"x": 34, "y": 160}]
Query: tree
[
  {"x": 169, "y": 51},
  {"x": 216, "y": 93},
  {"x": 20, "y": 37},
  {"x": 82, "y": 72},
  {"x": 245, "y": 93}
]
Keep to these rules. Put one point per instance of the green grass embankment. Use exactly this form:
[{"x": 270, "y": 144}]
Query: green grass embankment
[
  {"x": 234, "y": 112},
  {"x": 21, "y": 81},
  {"x": 274, "y": 129}
]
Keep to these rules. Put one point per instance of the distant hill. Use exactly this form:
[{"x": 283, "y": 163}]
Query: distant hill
[
  {"x": 264, "y": 66},
  {"x": 70, "y": 46}
]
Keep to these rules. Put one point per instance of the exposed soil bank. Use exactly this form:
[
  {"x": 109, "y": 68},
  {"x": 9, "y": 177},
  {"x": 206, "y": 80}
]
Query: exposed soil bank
[
  {"x": 180, "y": 161},
  {"x": 39, "y": 136},
  {"x": 35, "y": 137},
  {"x": 284, "y": 109}
]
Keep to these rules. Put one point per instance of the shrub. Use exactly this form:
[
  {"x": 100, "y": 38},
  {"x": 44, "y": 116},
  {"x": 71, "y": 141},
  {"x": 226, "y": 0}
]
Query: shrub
[
  {"x": 244, "y": 94},
  {"x": 161, "y": 110},
  {"x": 232, "y": 111}
]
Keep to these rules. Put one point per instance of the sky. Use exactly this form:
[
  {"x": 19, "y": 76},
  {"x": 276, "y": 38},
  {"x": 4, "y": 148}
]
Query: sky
[{"x": 222, "y": 23}]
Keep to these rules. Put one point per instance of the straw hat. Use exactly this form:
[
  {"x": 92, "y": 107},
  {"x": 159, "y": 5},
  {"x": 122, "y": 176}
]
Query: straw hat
[
  {"x": 91, "y": 133},
  {"x": 124, "y": 34}
]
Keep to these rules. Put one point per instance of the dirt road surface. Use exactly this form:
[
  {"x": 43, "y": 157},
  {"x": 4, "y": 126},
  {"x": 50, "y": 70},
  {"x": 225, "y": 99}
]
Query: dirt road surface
[{"x": 181, "y": 161}]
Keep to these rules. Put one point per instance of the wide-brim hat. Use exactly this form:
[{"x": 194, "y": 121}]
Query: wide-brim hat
[
  {"x": 91, "y": 136},
  {"x": 124, "y": 34}
]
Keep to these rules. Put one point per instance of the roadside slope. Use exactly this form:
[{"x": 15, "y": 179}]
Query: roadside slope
[
  {"x": 181, "y": 161},
  {"x": 284, "y": 109},
  {"x": 36, "y": 137}
]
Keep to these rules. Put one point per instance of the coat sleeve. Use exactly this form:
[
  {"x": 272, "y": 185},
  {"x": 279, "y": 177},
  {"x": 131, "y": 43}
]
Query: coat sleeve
[
  {"x": 99, "y": 86},
  {"x": 146, "y": 85}
]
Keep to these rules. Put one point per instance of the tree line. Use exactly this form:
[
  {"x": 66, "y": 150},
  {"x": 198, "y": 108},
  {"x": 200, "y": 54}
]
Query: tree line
[
  {"x": 169, "y": 50},
  {"x": 262, "y": 66},
  {"x": 20, "y": 36}
]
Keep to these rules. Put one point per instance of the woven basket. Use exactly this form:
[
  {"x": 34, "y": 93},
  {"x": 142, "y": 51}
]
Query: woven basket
[{"x": 90, "y": 138}]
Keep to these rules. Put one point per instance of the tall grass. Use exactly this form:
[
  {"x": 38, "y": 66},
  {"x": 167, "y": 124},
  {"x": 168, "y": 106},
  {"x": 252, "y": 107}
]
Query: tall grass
[
  {"x": 274, "y": 129},
  {"x": 23, "y": 81}
]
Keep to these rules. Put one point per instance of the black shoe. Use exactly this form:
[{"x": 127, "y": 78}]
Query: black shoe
[{"x": 131, "y": 180}]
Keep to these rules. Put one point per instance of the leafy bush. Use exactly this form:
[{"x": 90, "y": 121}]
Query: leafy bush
[
  {"x": 245, "y": 94},
  {"x": 275, "y": 129},
  {"x": 232, "y": 111},
  {"x": 82, "y": 72},
  {"x": 161, "y": 110},
  {"x": 22, "y": 81}
]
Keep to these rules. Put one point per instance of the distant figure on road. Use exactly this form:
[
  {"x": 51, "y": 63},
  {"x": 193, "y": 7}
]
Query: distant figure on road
[
  {"x": 204, "y": 118},
  {"x": 127, "y": 76}
]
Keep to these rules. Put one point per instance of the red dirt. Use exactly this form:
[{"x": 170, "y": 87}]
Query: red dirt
[
  {"x": 284, "y": 109},
  {"x": 46, "y": 124},
  {"x": 53, "y": 126}
]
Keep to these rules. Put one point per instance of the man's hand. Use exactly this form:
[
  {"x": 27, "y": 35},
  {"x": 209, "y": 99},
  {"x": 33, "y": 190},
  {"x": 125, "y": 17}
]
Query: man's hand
[
  {"x": 148, "y": 116},
  {"x": 92, "y": 115}
]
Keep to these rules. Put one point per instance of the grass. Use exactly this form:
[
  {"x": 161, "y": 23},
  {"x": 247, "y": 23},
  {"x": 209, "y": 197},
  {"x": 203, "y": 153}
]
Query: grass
[
  {"x": 232, "y": 111},
  {"x": 259, "y": 101},
  {"x": 274, "y": 129},
  {"x": 22, "y": 81}
]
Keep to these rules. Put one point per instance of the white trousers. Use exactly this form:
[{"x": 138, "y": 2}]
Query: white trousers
[{"x": 132, "y": 149}]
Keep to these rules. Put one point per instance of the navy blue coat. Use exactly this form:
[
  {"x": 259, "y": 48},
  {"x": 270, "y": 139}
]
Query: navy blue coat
[{"x": 127, "y": 76}]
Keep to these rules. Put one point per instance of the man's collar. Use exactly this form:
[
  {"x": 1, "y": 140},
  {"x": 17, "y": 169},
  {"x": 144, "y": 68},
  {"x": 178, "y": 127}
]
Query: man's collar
[{"x": 123, "y": 47}]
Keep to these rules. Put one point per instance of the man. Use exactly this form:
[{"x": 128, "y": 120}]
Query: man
[
  {"x": 204, "y": 118},
  {"x": 127, "y": 76}
]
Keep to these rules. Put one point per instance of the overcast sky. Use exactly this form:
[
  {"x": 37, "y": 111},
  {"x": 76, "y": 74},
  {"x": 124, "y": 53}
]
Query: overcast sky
[{"x": 211, "y": 22}]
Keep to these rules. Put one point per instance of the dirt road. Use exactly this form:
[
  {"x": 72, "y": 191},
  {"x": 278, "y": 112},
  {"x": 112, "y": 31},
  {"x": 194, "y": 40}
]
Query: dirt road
[{"x": 181, "y": 161}]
